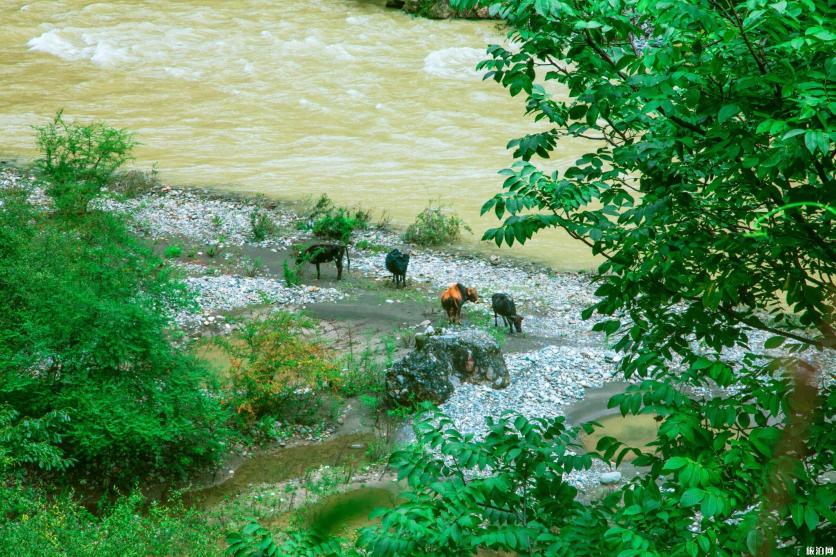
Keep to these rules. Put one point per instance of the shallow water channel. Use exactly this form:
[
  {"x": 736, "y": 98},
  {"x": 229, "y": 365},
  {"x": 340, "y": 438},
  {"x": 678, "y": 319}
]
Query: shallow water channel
[
  {"x": 290, "y": 99},
  {"x": 280, "y": 464}
]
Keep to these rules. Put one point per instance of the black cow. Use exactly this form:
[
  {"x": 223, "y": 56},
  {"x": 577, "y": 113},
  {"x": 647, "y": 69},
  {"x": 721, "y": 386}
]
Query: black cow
[
  {"x": 396, "y": 263},
  {"x": 322, "y": 253},
  {"x": 503, "y": 305}
]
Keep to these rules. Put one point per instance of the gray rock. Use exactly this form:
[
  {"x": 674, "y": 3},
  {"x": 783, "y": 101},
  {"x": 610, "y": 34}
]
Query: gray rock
[
  {"x": 470, "y": 356},
  {"x": 610, "y": 478}
]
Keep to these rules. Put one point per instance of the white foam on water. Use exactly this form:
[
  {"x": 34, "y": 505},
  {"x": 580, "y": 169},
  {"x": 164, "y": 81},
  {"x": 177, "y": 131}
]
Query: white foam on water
[
  {"x": 458, "y": 62},
  {"x": 105, "y": 54},
  {"x": 312, "y": 46},
  {"x": 51, "y": 42},
  {"x": 75, "y": 46}
]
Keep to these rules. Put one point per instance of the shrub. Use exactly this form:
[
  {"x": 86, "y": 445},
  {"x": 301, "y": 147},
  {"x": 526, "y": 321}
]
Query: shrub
[
  {"x": 261, "y": 226},
  {"x": 277, "y": 372},
  {"x": 78, "y": 160},
  {"x": 340, "y": 224},
  {"x": 173, "y": 251},
  {"x": 33, "y": 525},
  {"x": 134, "y": 182},
  {"x": 291, "y": 274},
  {"x": 365, "y": 373},
  {"x": 85, "y": 325},
  {"x": 432, "y": 227},
  {"x": 326, "y": 220}
]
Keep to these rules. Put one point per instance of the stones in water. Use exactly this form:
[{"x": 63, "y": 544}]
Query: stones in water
[
  {"x": 427, "y": 374},
  {"x": 608, "y": 478}
]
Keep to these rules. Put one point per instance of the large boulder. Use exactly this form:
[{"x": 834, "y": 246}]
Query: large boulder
[{"x": 429, "y": 373}]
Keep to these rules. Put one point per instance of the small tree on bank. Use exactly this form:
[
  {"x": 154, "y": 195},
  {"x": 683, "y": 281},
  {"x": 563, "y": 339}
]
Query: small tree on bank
[
  {"x": 78, "y": 160},
  {"x": 709, "y": 197}
]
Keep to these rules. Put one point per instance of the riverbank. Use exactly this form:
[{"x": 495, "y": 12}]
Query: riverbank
[{"x": 553, "y": 364}]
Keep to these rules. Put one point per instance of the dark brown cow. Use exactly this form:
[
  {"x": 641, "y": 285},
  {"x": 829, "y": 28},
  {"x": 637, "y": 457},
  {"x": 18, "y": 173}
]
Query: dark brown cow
[
  {"x": 322, "y": 253},
  {"x": 454, "y": 298},
  {"x": 503, "y": 305}
]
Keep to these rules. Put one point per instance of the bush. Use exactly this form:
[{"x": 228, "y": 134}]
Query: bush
[
  {"x": 85, "y": 325},
  {"x": 277, "y": 372},
  {"x": 261, "y": 225},
  {"x": 335, "y": 223},
  {"x": 78, "y": 160},
  {"x": 432, "y": 227},
  {"x": 32, "y": 525},
  {"x": 340, "y": 224}
]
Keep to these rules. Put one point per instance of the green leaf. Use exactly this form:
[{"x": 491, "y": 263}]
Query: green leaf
[
  {"x": 727, "y": 112},
  {"x": 774, "y": 342},
  {"x": 692, "y": 496}
]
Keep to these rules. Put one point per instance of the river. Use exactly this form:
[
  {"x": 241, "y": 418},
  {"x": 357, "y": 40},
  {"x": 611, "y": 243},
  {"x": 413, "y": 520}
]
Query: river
[{"x": 289, "y": 99}]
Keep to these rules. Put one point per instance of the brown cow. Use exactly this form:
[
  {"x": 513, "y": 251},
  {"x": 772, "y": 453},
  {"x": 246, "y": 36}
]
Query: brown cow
[{"x": 454, "y": 298}]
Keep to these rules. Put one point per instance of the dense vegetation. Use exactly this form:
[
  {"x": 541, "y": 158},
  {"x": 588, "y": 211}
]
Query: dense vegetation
[
  {"x": 99, "y": 391},
  {"x": 90, "y": 380},
  {"x": 710, "y": 115}
]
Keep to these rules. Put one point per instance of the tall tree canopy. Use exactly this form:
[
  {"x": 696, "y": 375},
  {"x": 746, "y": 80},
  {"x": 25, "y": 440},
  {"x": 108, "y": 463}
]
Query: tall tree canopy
[{"x": 709, "y": 193}]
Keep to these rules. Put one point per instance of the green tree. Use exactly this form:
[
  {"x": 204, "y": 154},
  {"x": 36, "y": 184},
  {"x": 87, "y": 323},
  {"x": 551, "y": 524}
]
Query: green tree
[
  {"x": 705, "y": 116},
  {"x": 78, "y": 159},
  {"x": 90, "y": 382}
]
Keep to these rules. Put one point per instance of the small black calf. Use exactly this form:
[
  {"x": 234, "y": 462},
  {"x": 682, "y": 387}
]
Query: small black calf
[
  {"x": 322, "y": 253},
  {"x": 396, "y": 263},
  {"x": 503, "y": 305}
]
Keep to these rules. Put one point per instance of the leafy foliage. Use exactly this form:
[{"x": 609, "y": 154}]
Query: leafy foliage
[
  {"x": 277, "y": 372},
  {"x": 253, "y": 540},
  {"x": 89, "y": 378},
  {"x": 506, "y": 492},
  {"x": 326, "y": 220},
  {"x": 434, "y": 227},
  {"x": 705, "y": 116},
  {"x": 172, "y": 251},
  {"x": 79, "y": 160},
  {"x": 291, "y": 274},
  {"x": 261, "y": 225},
  {"x": 32, "y": 525}
]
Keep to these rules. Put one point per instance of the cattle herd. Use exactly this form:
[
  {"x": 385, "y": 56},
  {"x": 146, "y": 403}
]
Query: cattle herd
[{"x": 452, "y": 299}]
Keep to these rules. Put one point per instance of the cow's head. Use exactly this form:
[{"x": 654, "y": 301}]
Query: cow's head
[
  {"x": 471, "y": 294},
  {"x": 517, "y": 321}
]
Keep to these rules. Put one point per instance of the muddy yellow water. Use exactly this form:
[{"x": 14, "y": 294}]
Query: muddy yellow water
[
  {"x": 289, "y": 99},
  {"x": 633, "y": 431}
]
